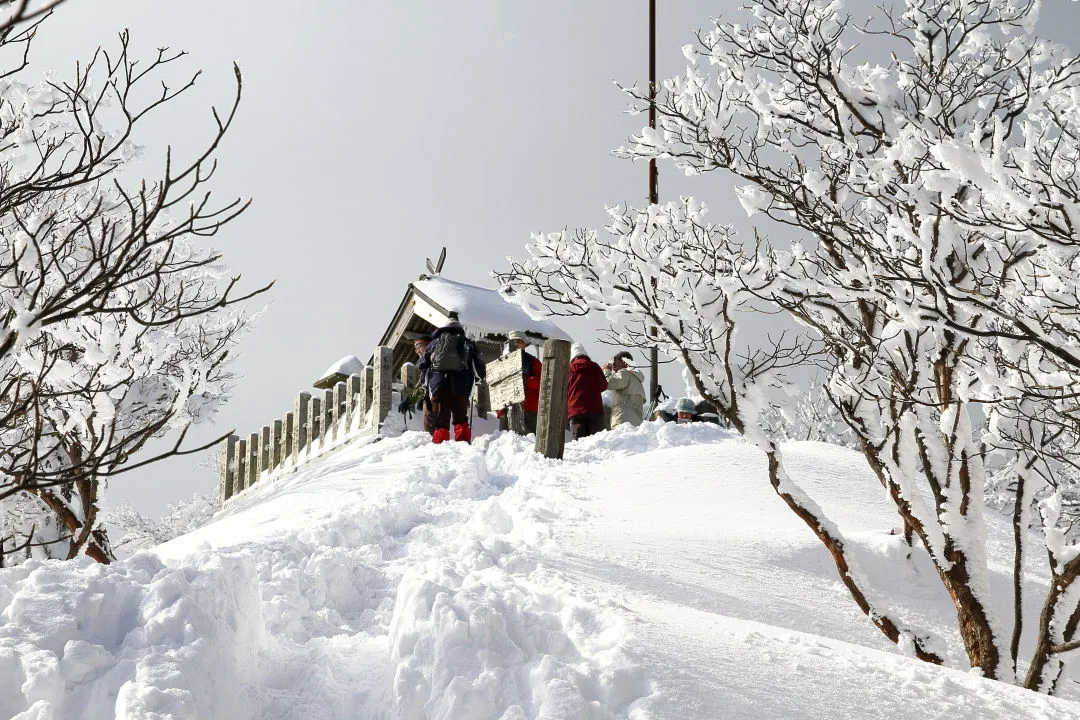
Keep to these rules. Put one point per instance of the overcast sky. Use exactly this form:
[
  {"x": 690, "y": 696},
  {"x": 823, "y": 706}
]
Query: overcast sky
[{"x": 371, "y": 134}]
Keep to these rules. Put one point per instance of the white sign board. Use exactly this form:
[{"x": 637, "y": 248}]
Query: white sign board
[{"x": 505, "y": 382}]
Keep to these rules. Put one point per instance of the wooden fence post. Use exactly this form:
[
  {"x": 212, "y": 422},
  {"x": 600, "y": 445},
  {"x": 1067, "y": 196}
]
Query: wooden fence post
[
  {"x": 327, "y": 416},
  {"x": 300, "y": 429},
  {"x": 241, "y": 467},
  {"x": 264, "y": 450},
  {"x": 288, "y": 438},
  {"x": 314, "y": 421},
  {"x": 354, "y": 389},
  {"x": 253, "y": 459},
  {"x": 367, "y": 385},
  {"x": 551, "y": 415},
  {"x": 276, "y": 449},
  {"x": 384, "y": 379},
  {"x": 228, "y": 466},
  {"x": 339, "y": 411}
]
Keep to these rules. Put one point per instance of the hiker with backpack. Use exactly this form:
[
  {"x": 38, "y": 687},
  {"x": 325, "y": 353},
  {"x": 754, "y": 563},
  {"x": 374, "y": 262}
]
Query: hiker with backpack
[{"x": 451, "y": 363}]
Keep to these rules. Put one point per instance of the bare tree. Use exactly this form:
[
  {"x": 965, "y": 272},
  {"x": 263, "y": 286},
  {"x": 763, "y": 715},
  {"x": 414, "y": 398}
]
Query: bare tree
[{"x": 116, "y": 319}]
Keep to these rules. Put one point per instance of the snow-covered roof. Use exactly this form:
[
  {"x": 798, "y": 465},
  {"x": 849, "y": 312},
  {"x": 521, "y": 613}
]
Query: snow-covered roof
[
  {"x": 346, "y": 366},
  {"x": 480, "y": 309}
]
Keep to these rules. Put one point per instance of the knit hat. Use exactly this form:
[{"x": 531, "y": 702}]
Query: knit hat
[
  {"x": 685, "y": 405},
  {"x": 516, "y": 335},
  {"x": 577, "y": 350},
  {"x": 623, "y": 355}
]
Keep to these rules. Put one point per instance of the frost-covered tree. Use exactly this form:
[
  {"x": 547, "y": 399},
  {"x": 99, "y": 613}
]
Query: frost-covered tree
[
  {"x": 810, "y": 415},
  {"x": 136, "y": 531},
  {"x": 116, "y": 318},
  {"x": 933, "y": 195}
]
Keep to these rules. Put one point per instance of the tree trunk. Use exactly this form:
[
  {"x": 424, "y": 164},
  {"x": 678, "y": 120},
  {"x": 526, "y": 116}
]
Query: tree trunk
[
  {"x": 836, "y": 548},
  {"x": 1045, "y": 648},
  {"x": 975, "y": 629},
  {"x": 83, "y": 536},
  {"x": 1018, "y": 566}
]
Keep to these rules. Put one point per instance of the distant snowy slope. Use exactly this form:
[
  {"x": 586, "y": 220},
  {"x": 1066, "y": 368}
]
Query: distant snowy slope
[{"x": 652, "y": 574}]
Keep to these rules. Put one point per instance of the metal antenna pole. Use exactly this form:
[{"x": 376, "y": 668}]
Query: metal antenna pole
[{"x": 654, "y": 192}]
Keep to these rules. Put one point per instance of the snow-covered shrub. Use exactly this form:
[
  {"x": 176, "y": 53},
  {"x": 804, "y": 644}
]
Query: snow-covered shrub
[
  {"x": 812, "y": 416},
  {"x": 136, "y": 531}
]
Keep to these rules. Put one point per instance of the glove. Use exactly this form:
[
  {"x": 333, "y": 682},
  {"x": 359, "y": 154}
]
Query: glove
[{"x": 404, "y": 406}]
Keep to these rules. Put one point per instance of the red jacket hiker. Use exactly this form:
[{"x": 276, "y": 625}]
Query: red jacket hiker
[
  {"x": 532, "y": 384},
  {"x": 587, "y": 382}
]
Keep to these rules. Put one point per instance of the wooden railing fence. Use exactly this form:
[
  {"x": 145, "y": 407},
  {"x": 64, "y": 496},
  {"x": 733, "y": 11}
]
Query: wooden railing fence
[
  {"x": 317, "y": 424},
  {"x": 358, "y": 406}
]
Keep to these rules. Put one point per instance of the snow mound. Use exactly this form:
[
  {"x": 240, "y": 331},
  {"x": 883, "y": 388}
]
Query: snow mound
[{"x": 136, "y": 640}]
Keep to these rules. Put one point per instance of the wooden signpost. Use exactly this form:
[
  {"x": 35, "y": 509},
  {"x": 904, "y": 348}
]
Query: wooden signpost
[{"x": 551, "y": 416}]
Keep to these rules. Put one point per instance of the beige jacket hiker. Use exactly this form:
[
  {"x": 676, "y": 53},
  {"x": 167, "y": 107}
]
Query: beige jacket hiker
[{"x": 627, "y": 388}]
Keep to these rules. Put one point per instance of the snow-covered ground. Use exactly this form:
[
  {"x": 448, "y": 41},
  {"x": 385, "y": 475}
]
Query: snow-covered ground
[{"x": 651, "y": 574}]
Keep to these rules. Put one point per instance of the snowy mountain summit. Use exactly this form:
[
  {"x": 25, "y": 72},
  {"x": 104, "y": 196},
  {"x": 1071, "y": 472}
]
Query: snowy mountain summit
[{"x": 651, "y": 574}]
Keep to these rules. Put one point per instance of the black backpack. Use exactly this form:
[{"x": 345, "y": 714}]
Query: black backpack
[{"x": 450, "y": 353}]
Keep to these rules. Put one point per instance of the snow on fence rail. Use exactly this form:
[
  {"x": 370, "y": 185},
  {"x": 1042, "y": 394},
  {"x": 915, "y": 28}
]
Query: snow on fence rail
[{"x": 357, "y": 406}]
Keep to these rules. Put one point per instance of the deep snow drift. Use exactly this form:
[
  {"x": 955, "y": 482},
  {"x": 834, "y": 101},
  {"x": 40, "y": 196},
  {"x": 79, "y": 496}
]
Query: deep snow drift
[{"x": 652, "y": 574}]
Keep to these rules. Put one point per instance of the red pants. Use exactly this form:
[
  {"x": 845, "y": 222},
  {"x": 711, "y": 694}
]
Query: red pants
[{"x": 448, "y": 408}]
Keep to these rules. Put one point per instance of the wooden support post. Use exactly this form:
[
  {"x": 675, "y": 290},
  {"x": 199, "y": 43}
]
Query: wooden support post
[
  {"x": 228, "y": 466},
  {"x": 515, "y": 418},
  {"x": 264, "y": 449},
  {"x": 253, "y": 459},
  {"x": 328, "y": 415},
  {"x": 551, "y": 416},
  {"x": 382, "y": 392},
  {"x": 314, "y": 421},
  {"x": 367, "y": 389},
  {"x": 288, "y": 438},
  {"x": 353, "y": 398},
  {"x": 301, "y": 438},
  {"x": 241, "y": 467},
  {"x": 410, "y": 375},
  {"x": 277, "y": 451},
  {"x": 339, "y": 411}
]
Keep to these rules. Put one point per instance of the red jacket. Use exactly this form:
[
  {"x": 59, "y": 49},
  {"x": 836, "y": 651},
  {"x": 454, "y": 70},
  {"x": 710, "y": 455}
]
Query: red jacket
[
  {"x": 532, "y": 384},
  {"x": 587, "y": 381}
]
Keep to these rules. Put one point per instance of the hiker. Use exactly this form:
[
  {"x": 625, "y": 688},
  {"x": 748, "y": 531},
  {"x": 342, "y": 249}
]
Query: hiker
[
  {"x": 450, "y": 364},
  {"x": 685, "y": 410},
  {"x": 416, "y": 398},
  {"x": 627, "y": 387},
  {"x": 584, "y": 401},
  {"x": 530, "y": 370}
]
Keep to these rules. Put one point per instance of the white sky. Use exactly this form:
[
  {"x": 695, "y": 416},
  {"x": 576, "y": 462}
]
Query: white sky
[{"x": 371, "y": 134}]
